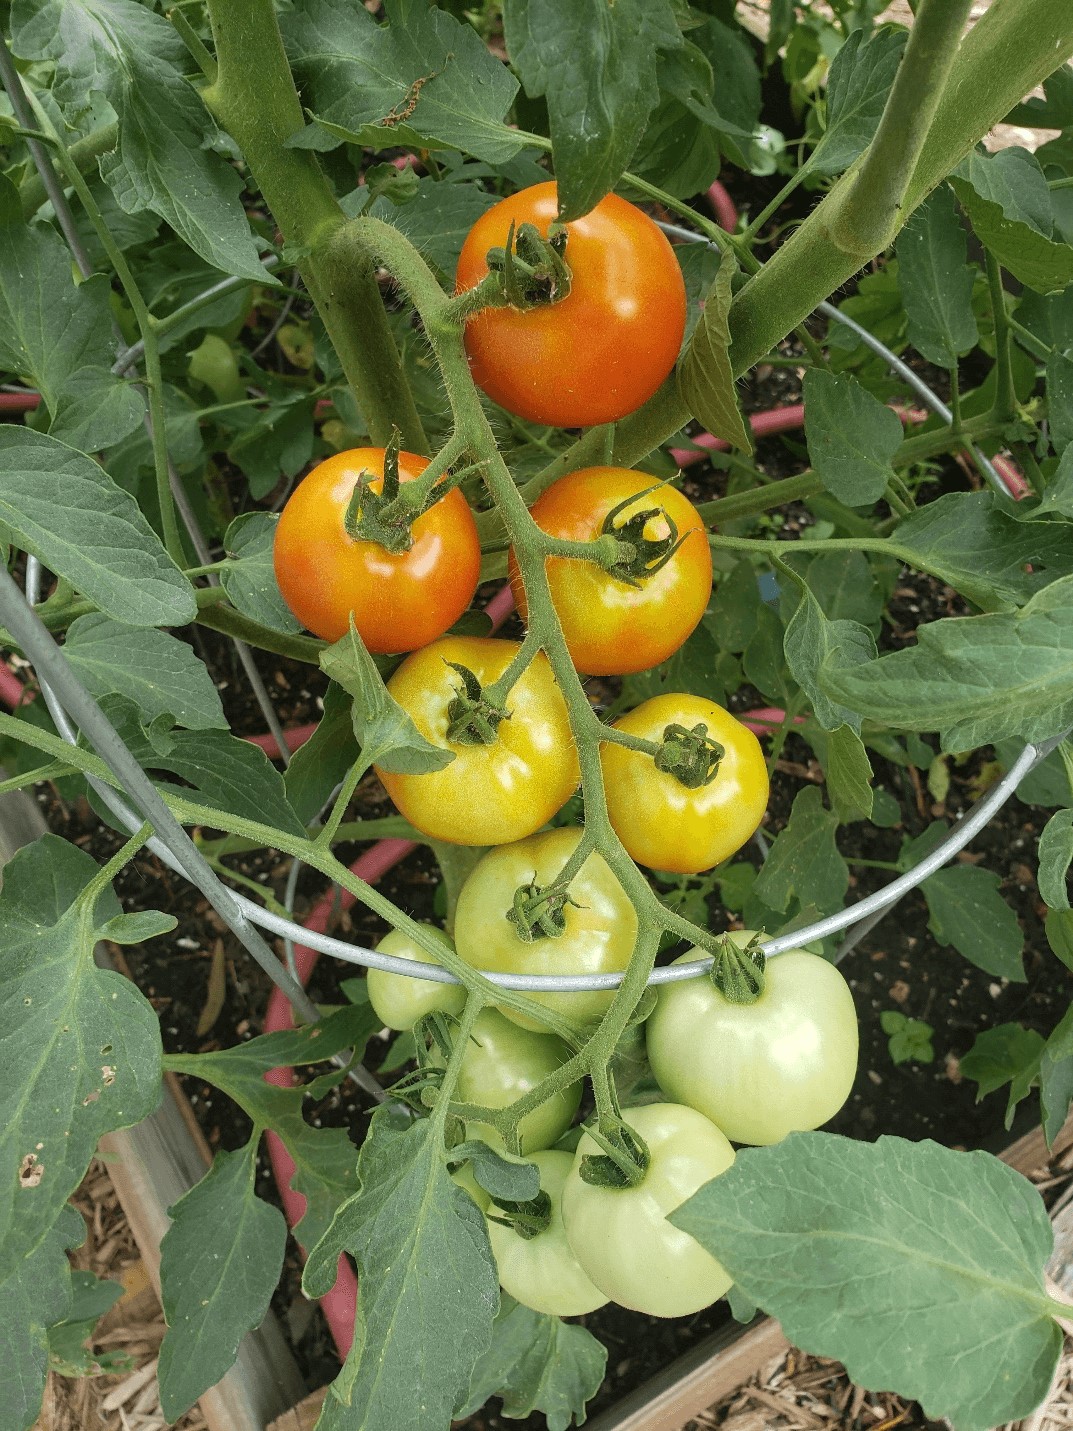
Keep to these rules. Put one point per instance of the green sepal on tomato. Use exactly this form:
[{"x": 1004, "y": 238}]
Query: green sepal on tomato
[
  {"x": 541, "y": 1271},
  {"x": 495, "y": 792},
  {"x": 598, "y": 922},
  {"x": 665, "y": 824},
  {"x": 399, "y": 1000},
  {"x": 502, "y": 1063},
  {"x": 601, "y": 351},
  {"x": 400, "y": 600},
  {"x": 618, "y": 623},
  {"x": 782, "y": 1064},
  {"x": 621, "y": 1236}
]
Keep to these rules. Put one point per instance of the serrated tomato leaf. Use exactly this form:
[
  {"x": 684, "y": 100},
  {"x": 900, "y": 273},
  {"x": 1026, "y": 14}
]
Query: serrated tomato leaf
[{"x": 705, "y": 377}]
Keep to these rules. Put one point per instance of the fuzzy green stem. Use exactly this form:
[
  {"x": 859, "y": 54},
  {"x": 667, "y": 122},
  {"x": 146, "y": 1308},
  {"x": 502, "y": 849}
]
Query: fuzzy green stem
[{"x": 83, "y": 153}]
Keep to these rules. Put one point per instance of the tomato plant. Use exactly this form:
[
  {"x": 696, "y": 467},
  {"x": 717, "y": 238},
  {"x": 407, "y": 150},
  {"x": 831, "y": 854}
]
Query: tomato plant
[
  {"x": 638, "y": 613},
  {"x": 761, "y": 1070},
  {"x": 621, "y": 1236},
  {"x": 400, "y": 1002},
  {"x": 399, "y": 600},
  {"x": 515, "y": 916},
  {"x": 513, "y": 766},
  {"x": 685, "y": 817},
  {"x": 538, "y": 1268},
  {"x": 605, "y": 348},
  {"x": 332, "y": 312}
]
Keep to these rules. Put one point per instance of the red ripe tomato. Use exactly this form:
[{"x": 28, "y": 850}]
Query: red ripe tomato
[
  {"x": 399, "y": 601},
  {"x": 613, "y": 626},
  {"x": 601, "y": 351}
]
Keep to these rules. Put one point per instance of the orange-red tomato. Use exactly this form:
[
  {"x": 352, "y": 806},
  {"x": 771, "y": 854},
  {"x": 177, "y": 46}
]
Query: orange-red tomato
[
  {"x": 399, "y": 601},
  {"x": 613, "y": 627},
  {"x": 601, "y": 351}
]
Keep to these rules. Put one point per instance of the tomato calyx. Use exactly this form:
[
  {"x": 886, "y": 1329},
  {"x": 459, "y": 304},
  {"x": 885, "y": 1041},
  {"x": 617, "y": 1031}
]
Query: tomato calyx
[
  {"x": 692, "y": 756},
  {"x": 536, "y": 911},
  {"x": 622, "y": 1164},
  {"x": 639, "y": 556},
  {"x": 387, "y": 516},
  {"x": 737, "y": 972},
  {"x": 531, "y": 270},
  {"x": 472, "y": 719},
  {"x": 528, "y": 1219}
]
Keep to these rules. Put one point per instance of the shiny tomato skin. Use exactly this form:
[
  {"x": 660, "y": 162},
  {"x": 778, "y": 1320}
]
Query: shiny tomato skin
[
  {"x": 504, "y": 1062},
  {"x": 612, "y": 627},
  {"x": 542, "y": 1272},
  {"x": 663, "y": 824},
  {"x": 488, "y": 794},
  {"x": 604, "y": 349},
  {"x": 601, "y": 923},
  {"x": 400, "y": 601},
  {"x": 621, "y": 1236},
  {"x": 400, "y": 1001},
  {"x": 759, "y": 1071}
]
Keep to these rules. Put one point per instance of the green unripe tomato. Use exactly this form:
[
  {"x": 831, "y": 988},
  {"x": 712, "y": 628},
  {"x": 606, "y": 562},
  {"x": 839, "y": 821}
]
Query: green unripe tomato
[
  {"x": 542, "y": 1272},
  {"x": 783, "y": 1064},
  {"x": 400, "y": 1001},
  {"x": 503, "y": 1062},
  {"x": 621, "y": 1236},
  {"x": 599, "y": 922},
  {"x": 214, "y": 364}
]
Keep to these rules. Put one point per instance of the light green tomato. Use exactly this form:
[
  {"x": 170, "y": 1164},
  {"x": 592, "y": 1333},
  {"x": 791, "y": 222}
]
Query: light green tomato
[
  {"x": 600, "y": 923},
  {"x": 400, "y": 1001},
  {"x": 621, "y": 1236},
  {"x": 541, "y": 1272},
  {"x": 501, "y": 1063},
  {"x": 759, "y": 1071}
]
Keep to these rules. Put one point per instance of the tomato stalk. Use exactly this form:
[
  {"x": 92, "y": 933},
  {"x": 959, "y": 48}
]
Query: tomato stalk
[{"x": 738, "y": 973}]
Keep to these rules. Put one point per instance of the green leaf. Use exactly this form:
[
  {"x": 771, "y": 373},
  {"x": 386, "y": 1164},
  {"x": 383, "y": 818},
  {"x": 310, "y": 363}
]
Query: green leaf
[
  {"x": 814, "y": 644},
  {"x": 137, "y": 927},
  {"x": 596, "y": 65},
  {"x": 325, "y": 1159},
  {"x": 735, "y": 606},
  {"x": 319, "y": 765},
  {"x": 804, "y": 859},
  {"x": 423, "y": 1259},
  {"x": 249, "y": 577},
  {"x": 1005, "y": 196},
  {"x": 680, "y": 146},
  {"x": 79, "y": 1046},
  {"x": 35, "y": 1293},
  {"x": 936, "y": 281},
  {"x": 857, "y": 87},
  {"x": 845, "y": 585},
  {"x": 966, "y": 910},
  {"x": 164, "y": 161},
  {"x": 705, "y": 377},
  {"x": 1059, "y": 930},
  {"x": 160, "y": 674},
  {"x": 849, "y": 775},
  {"x": 851, "y": 436},
  {"x": 1060, "y": 400},
  {"x": 976, "y": 679},
  {"x": 1055, "y": 855},
  {"x": 909, "y": 1040},
  {"x": 1058, "y": 494},
  {"x": 65, "y": 509},
  {"x": 92, "y": 1297},
  {"x": 1056, "y": 1078},
  {"x": 1009, "y": 1054},
  {"x": 224, "y": 772},
  {"x": 58, "y": 337},
  {"x": 422, "y": 79},
  {"x": 537, "y": 1363},
  {"x": 220, "y": 1261},
  {"x": 505, "y": 1178},
  {"x": 836, "y": 1238},
  {"x": 276, "y": 442},
  {"x": 384, "y": 731}
]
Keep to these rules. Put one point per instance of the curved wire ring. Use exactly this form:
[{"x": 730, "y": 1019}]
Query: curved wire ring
[{"x": 958, "y": 838}]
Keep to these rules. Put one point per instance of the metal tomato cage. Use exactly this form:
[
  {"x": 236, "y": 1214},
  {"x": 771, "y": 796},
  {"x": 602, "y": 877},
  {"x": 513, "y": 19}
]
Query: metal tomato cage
[{"x": 76, "y": 713}]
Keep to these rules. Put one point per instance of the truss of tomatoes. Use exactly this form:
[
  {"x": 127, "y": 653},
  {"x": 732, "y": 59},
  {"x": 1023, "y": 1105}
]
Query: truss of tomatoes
[{"x": 687, "y": 792}]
